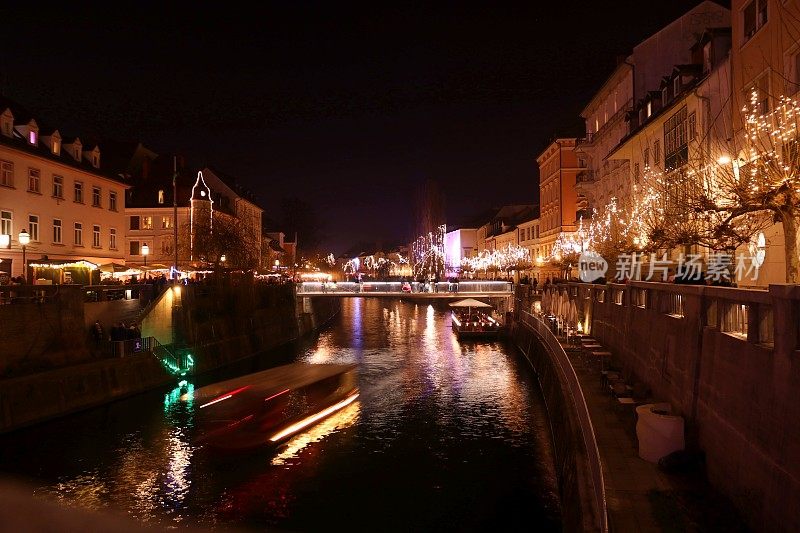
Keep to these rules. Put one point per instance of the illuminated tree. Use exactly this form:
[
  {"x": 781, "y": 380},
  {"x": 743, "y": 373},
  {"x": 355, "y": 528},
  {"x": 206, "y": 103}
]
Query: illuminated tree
[{"x": 229, "y": 238}]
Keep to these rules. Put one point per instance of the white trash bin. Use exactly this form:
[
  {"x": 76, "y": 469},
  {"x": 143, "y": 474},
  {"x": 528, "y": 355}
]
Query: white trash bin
[{"x": 659, "y": 434}]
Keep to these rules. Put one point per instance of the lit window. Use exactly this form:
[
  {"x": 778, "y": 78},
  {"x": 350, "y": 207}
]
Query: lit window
[
  {"x": 78, "y": 234},
  {"x": 33, "y": 227},
  {"x": 7, "y": 173},
  {"x": 33, "y": 137},
  {"x": 56, "y": 146},
  {"x": 147, "y": 222},
  {"x": 5, "y": 223},
  {"x": 161, "y": 196},
  {"x": 56, "y": 231},
  {"x": 33, "y": 180},
  {"x": 166, "y": 222},
  {"x": 649, "y": 108},
  {"x": 96, "y": 236}
]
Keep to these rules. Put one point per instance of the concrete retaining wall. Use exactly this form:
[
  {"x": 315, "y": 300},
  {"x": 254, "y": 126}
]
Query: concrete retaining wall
[{"x": 737, "y": 390}]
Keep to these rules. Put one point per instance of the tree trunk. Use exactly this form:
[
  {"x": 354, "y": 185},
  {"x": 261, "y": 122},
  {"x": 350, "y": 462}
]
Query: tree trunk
[{"x": 790, "y": 227}]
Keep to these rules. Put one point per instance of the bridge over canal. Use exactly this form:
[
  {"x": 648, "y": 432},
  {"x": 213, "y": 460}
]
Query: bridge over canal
[{"x": 417, "y": 290}]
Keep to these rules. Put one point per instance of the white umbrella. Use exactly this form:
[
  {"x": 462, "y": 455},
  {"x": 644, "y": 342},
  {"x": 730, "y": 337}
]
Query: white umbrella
[
  {"x": 572, "y": 316},
  {"x": 469, "y": 302}
]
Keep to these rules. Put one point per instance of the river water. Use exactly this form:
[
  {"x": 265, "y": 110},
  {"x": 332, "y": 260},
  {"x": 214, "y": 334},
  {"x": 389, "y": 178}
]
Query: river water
[{"x": 444, "y": 436}]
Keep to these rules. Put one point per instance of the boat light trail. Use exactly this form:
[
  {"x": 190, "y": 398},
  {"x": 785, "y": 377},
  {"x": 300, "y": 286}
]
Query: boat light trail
[{"x": 294, "y": 428}]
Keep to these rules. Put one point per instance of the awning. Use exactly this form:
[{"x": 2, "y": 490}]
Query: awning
[
  {"x": 113, "y": 268},
  {"x": 62, "y": 264},
  {"x": 469, "y": 302}
]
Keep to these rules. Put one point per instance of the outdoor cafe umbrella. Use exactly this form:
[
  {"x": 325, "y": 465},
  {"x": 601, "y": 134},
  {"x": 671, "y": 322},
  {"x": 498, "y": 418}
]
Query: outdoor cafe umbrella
[
  {"x": 572, "y": 315},
  {"x": 545, "y": 302},
  {"x": 469, "y": 302}
]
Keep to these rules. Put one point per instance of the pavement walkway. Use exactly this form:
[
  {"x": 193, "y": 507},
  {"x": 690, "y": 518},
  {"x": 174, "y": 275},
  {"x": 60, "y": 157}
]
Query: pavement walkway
[{"x": 640, "y": 495}]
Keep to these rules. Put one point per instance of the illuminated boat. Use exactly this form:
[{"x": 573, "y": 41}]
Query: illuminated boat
[
  {"x": 474, "y": 325},
  {"x": 269, "y": 407}
]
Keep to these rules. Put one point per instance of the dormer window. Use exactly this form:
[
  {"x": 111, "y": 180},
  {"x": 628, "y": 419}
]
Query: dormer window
[
  {"x": 649, "y": 109},
  {"x": 95, "y": 161},
  {"x": 7, "y": 123},
  {"x": 56, "y": 147},
  {"x": 161, "y": 196},
  {"x": 665, "y": 95},
  {"x": 33, "y": 137},
  {"x": 676, "y": 85}
]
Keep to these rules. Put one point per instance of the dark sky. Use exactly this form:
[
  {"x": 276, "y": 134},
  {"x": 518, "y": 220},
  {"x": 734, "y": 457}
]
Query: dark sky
[{"x": 346, "y": 107}]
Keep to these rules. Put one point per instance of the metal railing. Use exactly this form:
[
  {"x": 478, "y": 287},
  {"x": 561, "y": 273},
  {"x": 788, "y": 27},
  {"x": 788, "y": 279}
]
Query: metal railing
[
  {"x": 570, "y": 379},
  {"x": 396, "y": 287},
  {"x": 26, "y": 294}
]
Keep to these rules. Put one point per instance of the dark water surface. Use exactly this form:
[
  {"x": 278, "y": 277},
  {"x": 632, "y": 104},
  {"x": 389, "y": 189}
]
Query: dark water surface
[{"x": 444, "y": 436}]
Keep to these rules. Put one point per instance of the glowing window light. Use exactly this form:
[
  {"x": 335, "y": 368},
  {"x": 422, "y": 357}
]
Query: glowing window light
[{"x": 294, "y": 428}]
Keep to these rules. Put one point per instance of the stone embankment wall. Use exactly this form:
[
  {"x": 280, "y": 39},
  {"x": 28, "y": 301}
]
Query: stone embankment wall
[
  {"x": 217, "y": 324},
  {"x": 728, "y": 361}
]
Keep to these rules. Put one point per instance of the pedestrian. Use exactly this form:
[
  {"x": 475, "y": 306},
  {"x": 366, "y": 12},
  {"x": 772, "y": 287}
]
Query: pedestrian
[
  {"x": 97, "y": 332},
  {"x": 535, "y": 283}
]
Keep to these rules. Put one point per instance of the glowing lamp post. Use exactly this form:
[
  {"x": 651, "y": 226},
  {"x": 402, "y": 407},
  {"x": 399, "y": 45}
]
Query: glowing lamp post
[
  {"x": 24, "y": 240},
  {"x": 145, "y": 252}
]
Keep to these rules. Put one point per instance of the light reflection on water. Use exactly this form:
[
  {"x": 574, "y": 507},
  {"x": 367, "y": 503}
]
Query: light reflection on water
[{"x": 445, "y": 435}]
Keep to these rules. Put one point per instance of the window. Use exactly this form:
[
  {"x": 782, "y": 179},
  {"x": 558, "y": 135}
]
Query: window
[
  {"x": 676, "y": 85},
  {"x": 646, "y": 157},
  {"x": 692, "y": 126},
  {"x": 676, "y": 152},
  {"x": 166, "y": 246},
  {"x": 756, "y": 95},
  {"x": 134, "y": 249},
  {"x": 7, "y": 173},
  {"x": 6, "y": 228},
  {"x": 33, "y": 227},
  {"x": 755, "y": 16},
  {"x": 79, "y": 192},
  {"x": 665, "y": 95},
  {"x": 33, "y": 137},
  {"x": 96, "y": 236},
  {"x": 56, "y": 147},
  {"x": 96, "y": 196},
  {"x": 166, "y": 222},
  {"x": 112, "y": 201},
  {"x": 649, "y": 109},
  {"x": 161, "y": 196},
  {"x": 147, "y": 222},
  {"x": 656, "y": 152},
  {"x": 78, "y": 234},
  {"x": 134, "y": 222},
  {"x": 707, "y": 57},
  {"x": 33, "y": 180},
  {"x": 112, "y": 239},
  {"x": 56, "y": 231},
  {"x": 793, "y": 73},
  {"x": 58, "y": 187}
]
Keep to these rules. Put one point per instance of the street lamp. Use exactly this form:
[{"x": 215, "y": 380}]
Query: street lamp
[
  {"x": 24, "y": 240},
  {"x": 223, "y": 258},
  {"x": 145, "y": 252}
]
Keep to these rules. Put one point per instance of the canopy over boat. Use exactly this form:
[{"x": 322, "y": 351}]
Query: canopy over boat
[{"x": 469, "y": 302}]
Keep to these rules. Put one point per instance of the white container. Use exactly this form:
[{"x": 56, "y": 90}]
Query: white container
[{"x": 659, "y": 434}]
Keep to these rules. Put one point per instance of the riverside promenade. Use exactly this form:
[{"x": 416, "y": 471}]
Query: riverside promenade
[{"x": 640, "y": 496}]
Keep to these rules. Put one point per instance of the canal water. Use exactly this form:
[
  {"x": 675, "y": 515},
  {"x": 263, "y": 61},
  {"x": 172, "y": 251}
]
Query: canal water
[{"x": 446, "y": 435}]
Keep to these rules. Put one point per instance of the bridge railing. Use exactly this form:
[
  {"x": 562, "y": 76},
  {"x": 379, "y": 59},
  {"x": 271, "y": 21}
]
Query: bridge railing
[{"x": 466, "y": 287}]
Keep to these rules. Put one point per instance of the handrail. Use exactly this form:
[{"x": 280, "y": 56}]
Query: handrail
[
  {"x": 462, "y": 287},
  {"x": 584, "y": 418}
]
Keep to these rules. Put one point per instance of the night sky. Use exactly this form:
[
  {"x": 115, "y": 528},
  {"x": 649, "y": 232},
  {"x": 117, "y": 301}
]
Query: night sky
[{"x": 347, "y": 108}]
